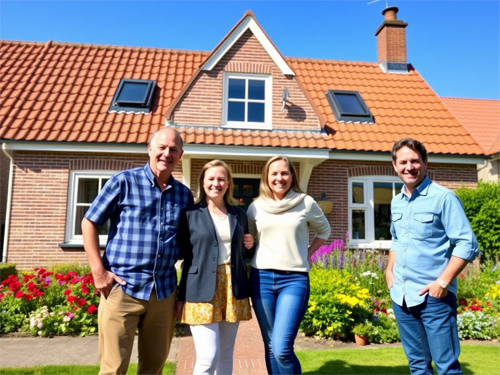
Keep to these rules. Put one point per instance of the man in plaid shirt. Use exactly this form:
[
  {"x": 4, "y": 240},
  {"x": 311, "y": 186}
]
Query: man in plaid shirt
[{"x": 136, "y": 275}]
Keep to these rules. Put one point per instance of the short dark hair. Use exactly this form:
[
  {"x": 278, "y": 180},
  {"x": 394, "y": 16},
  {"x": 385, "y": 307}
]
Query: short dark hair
[{"x": 411, "y": 144}]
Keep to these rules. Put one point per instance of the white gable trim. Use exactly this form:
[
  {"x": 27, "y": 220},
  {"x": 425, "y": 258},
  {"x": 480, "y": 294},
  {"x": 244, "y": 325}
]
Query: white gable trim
[{"x": 248, "y": 23}]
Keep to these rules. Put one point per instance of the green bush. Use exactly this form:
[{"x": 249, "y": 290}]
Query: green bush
[
  {"x": 336, "y": 304},
  {"x": 482, "y": 207}
]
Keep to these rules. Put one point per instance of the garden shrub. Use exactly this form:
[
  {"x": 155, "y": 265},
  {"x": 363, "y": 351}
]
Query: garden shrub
[
  {"x": 482, "y": 207},
  {"x": 475, "y": 325},
  {"x": 7, "y": 269},
  {"x": 335, "y": 305}
]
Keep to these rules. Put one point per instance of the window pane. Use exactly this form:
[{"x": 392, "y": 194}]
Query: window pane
[
  {"x": 256, "y": 112},
  {"x": 256, "y": 89},
  {"x": 236, "y": 111},
  {"x": 236, "y": 89},
  {"x": 358, "y": 225},
  {"x": 133, "y": 92},
  {"x": 87, "y": 190},
  {"x": 80, "y": 212},
  {"x": 382, "y": 196},
  {"x": 358, "y": 195},
  {"x": 349, "y": 104},
  {"x": 103, "y": 182}
]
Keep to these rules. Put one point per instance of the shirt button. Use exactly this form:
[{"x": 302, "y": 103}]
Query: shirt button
[{"x": 159, "y": 256}]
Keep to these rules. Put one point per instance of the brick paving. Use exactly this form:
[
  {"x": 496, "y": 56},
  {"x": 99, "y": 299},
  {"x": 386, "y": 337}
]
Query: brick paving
[{"x": 248, "y": 352}]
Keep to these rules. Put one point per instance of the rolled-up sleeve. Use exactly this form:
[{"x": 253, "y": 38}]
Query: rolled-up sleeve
[{"x": 458, "y": 228}]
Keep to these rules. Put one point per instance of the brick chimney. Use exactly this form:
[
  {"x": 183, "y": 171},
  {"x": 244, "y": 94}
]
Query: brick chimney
[{"x": 391, "y": 43}]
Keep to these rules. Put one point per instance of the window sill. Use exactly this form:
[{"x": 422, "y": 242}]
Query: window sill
[
  {"x": 247, "y": 126},
  {"x": 69, "y": 246}
]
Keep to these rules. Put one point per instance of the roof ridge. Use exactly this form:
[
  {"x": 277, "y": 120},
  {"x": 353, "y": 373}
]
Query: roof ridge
[
  {"x": 475, "y": 99},
  {"x": 100, "y": 46},
  {"x": 305, "y": 59}
]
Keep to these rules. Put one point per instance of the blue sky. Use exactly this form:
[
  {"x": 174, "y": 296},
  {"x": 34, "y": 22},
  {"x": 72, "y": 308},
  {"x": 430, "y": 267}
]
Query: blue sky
[{"x": 454, "y": 44}]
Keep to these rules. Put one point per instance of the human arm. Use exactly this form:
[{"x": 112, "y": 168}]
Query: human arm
[
  {"x": 319, "y": 223},
  {"x": 452, "y": 270},
  {"x": 103, "y": 279}
]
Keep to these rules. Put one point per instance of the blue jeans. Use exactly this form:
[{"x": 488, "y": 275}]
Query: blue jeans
[
  {"x": 279, "y": 299},
  {"x": 429, "y": 332}
]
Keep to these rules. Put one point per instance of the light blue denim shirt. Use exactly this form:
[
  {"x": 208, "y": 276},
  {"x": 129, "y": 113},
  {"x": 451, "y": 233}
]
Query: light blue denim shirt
[{"x": 427, "y": 229}]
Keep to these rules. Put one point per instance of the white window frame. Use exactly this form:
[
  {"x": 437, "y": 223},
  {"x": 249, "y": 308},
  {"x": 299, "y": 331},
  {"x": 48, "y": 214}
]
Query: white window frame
[
  {"x": 267, "y": 124},
  {"x": 368, "y": 207},
  {"x": 71, "y": 237}
]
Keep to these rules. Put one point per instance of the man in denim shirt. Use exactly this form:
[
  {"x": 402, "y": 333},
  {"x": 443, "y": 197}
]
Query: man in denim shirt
[
  {"x": 432, "y": 242},
  {"x": 136, "y": 275}
]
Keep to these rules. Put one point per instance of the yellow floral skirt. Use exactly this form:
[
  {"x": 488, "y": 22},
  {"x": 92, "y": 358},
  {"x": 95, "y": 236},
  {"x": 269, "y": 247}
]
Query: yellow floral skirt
[{"x": 223, "y": 307}]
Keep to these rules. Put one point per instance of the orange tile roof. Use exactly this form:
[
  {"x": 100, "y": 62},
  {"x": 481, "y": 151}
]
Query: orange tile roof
[
  {"x": 481, "y": 117},
  {"x": 61, "y": 92}
]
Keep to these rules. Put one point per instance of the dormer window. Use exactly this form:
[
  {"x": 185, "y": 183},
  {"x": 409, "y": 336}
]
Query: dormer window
[
  {"x": 349, "y": 106},
  {"x": 133, "y": 95},
  {"x": 247, "y": 101}
]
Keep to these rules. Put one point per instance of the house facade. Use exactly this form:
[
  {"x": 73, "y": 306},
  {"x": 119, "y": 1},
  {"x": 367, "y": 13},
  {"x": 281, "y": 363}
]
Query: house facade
[{"x": 72, "y": 115}]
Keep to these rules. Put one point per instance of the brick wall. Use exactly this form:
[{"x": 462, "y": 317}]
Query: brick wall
[
  {"x": 202, "y": 103},
  {"x": 39, "y": 202}
]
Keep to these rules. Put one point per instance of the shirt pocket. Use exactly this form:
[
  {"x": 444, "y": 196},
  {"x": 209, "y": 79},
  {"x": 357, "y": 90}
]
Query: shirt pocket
[
  {"x": 396, "y": 222},
  {"x": 422, "y": 225},
  {"x": 172, "y": 216}
]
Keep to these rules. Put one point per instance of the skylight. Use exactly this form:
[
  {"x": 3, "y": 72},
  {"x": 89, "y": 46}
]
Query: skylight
[
  {"x": 349, "y": 106},
  {"x": 133, "y": 95}
]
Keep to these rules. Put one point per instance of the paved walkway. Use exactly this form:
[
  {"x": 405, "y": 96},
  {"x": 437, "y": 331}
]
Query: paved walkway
[
  {"x": 248, "y": 352},
  {"x": 65, "y": 350}
]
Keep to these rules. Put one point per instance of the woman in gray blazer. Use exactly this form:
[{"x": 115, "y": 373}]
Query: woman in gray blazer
[{"x": 214, "y": 288}]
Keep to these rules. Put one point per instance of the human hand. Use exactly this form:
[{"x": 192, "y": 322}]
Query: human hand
[
  {"x": 248, "y": 241},
  {"x": 104, "y": 282},
  {"x": 435, "y": 290},
  {"x": 179, "y": 306},
  {"x": 390, "y": 280}
]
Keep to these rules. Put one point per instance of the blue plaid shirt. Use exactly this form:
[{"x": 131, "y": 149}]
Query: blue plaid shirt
[
  {"x": 142, "y": 248},
  {"x": 428, "y": 228}
]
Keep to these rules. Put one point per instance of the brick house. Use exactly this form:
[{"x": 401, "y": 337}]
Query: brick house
[{"x": 72, "y": 115}]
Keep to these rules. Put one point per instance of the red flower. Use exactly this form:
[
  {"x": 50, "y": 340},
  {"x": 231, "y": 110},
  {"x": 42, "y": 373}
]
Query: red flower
[
  {"x": 45, "y": 285},
  {"x": 85, "y": 289},
  {"x": 91, "y": 309},
  {"x": 67, "y": 291},
  {"x": 28, "y": 296},
  {"x": 31, "y": 285},
  {"x": 41, "y": 271},
  {"x": 75, "y": 308},
  {"x": 71, "y": 299},
  {"x": 488, "y": 304},
  {"x": 15, "y": 285},
  {"x": 81, "y": 302},
  {"x": 19, "y": 294}
]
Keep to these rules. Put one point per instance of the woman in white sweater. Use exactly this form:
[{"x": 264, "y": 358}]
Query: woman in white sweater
[{"x": 280, "y": 220}]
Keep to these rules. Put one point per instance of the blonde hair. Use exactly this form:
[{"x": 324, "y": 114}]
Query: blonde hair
[
  {"x": 228, "y": 196},
  {"x": 264, "y": 188}
]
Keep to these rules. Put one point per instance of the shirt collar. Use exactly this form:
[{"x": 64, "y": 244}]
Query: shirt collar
[
  {"x": 151, "y": 177},
  {"x": 422, "y": 189}
]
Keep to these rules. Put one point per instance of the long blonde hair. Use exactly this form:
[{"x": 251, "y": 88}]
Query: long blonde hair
[
  {"x": 265, "y": 190},
  {"x": 228, "y": 196}
]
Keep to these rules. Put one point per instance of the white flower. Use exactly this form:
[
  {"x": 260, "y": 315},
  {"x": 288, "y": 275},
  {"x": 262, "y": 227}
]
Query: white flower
[{"x": 40, "y": 325}]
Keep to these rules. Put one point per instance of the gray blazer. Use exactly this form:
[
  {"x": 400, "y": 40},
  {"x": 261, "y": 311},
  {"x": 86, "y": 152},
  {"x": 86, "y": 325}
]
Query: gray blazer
[{"x": 199, "y": 248}]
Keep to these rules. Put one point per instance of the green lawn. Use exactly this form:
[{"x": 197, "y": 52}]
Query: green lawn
[
  {"x": 475, "y": 359},
  {"x": 169, "y": 369}
]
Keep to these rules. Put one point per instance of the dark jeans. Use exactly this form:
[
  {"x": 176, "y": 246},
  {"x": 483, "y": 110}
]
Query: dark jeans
[
  {"x": 429, "y": 333},
  {"x": 280, "y": 300}
]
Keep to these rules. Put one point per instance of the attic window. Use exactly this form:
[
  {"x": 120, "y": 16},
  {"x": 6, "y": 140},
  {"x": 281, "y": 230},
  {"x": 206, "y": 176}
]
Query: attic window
[
  {"x": 133, "y": 95},
  {"x": 349, "y": 106}
]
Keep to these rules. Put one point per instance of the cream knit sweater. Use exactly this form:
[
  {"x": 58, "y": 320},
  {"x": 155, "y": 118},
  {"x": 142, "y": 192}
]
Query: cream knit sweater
[{"x": 281, "y": 229}]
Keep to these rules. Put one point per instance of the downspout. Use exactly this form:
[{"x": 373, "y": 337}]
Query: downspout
[{"x": 7, "y": 206}]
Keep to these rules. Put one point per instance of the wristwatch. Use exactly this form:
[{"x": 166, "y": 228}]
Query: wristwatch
[{"x": 443, "y": 284}]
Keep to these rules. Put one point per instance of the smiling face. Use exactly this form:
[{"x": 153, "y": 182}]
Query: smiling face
[
  {"x": 279, "y": 178},
  {"x": 165, "y": 151},
  {"x": 215, "y": 183},
  {"x": 410, "y": 167}
]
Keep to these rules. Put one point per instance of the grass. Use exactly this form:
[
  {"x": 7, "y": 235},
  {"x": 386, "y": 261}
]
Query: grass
[
  {"x": 168, "y": 369},
  {"x": 475, "y": 359}
]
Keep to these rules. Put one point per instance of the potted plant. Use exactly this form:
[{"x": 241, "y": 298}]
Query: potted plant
[{"x": 361, "y": 332}]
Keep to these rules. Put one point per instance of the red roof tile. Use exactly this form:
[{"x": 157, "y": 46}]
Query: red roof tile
[
  {"x": 481, "y": 118},
  {"x": 61, "y": 92}
]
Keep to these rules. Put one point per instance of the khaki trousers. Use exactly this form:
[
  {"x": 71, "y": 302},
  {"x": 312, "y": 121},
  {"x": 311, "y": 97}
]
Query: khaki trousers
[{"x": 119, "y": 316}]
